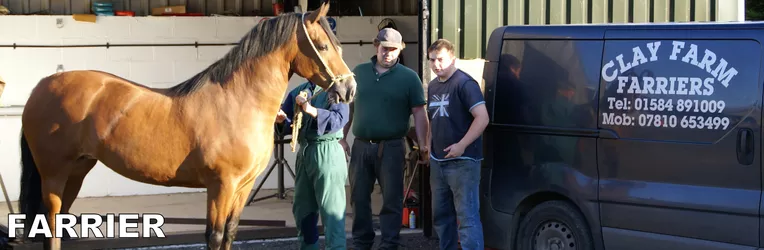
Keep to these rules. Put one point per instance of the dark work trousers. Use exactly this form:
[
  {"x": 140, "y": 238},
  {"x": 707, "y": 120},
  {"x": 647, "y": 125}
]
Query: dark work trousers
[{"x": 367, "y": 164}]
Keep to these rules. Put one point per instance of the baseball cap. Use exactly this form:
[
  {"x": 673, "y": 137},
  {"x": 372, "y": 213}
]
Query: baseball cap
[{"x": 389, "y": 37}]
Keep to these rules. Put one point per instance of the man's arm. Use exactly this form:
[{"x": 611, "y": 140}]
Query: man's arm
[
  {"x": 478, "y": 125},
  {"x": 418, "y": 104},
  {"x": 471, "y": 95},
  {"x": 331, "y": 120},
  {"x": 345, "y": 130},
  {"x": 288, "y": 108},
  {"x": 351, "y": 105},
  {"x": 429, "y": 139},
  {"x": 422, "y": 124},
  {"x": 349, "y": 124}
]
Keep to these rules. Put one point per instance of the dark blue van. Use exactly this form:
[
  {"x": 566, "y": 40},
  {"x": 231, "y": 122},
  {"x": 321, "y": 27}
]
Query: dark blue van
[{"x": 633, "y": 136}]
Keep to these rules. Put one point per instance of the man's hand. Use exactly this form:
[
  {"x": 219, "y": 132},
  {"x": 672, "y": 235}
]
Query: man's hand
[
  {"x": 281, "y": 116},
  {"x": 300, "y": 100},
  {"x": 345, "y": 147},
  {"x": 455, "y": 150},
  {"x": 303, "y": 102},
  {"x": 424, "y": 156}
]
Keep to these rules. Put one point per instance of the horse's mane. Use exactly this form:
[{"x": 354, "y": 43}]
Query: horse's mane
[{"x": 263, "y": 39}]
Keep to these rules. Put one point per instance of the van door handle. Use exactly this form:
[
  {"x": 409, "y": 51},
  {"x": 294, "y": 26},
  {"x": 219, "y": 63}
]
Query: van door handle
[{"x": 745, "y": 146}]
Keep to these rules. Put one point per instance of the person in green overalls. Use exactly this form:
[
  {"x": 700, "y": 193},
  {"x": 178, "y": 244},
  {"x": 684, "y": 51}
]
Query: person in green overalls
[{"x": 321, "y": 168}]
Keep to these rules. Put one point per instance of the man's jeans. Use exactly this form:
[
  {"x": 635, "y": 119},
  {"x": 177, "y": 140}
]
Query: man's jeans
[
  {"x": 455, "y": 189},
  {"x": 364, "y": 170}
]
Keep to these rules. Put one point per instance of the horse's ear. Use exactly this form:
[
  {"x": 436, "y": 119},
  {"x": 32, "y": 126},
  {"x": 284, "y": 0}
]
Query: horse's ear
[{"x": 320, "y": 12}]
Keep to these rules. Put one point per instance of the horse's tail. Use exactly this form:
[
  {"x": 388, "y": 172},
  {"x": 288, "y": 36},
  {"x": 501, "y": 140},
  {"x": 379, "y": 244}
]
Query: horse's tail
[{"x": 30, "y": 197}]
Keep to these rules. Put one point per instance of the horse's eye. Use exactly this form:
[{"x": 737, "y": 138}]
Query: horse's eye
[{"x": 323, "y": 47}]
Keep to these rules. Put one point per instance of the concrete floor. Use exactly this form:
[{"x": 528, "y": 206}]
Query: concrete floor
[
  {"x": 410, "y": 239},
  {"x": 188, "y": 205}
]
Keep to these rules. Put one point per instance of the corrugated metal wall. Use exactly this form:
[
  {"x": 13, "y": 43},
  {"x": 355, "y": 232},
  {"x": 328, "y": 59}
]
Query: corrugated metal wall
[{"x": 469, "y": 23}]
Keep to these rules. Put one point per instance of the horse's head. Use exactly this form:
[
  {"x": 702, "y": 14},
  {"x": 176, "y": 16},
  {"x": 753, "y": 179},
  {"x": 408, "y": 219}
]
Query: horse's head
[{"x": 320, "y": 57}]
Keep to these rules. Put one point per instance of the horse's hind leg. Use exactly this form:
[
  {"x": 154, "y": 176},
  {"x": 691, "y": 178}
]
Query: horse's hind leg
[
  {"x": 79, "y": 170},
  {"x": 56, "y": 194},
  {"x": 53, "y": 185},
  {"x": 42, "y": 185}
]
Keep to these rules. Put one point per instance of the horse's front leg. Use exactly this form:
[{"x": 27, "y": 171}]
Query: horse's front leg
[
  {"x": 232, "y": 225},
  {"x": 219, "y": 201}
]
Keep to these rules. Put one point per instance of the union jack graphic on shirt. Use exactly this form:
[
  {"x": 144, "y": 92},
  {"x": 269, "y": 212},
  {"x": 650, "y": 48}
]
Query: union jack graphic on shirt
[{"x": 441, "y": 102}]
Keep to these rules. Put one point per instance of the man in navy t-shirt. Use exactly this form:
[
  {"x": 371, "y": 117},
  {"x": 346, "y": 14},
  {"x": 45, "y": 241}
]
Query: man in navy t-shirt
[{"x": 458, "y": 116}]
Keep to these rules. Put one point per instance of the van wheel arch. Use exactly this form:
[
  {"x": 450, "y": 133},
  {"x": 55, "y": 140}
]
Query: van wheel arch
[{"x": 546, "y": 199}]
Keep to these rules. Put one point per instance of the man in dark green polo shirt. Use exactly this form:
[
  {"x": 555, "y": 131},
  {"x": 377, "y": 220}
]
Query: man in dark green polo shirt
[{"x": 387, "y": 94}]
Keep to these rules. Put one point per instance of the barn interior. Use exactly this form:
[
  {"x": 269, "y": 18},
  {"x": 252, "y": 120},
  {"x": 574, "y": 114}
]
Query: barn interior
[
  {"x": 160, "y": 43},
  {"x": 213, "y": 7}
]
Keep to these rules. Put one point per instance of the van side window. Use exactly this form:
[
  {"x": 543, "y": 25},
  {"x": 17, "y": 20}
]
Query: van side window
[
  {"x": 548, "y": 83},
  {"x": 678, "y": 90}
]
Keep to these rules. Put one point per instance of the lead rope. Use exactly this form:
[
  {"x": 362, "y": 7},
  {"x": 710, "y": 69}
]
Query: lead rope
[
  {"x": 297, "y": 124},
  {"x": 297, "y": 121}
]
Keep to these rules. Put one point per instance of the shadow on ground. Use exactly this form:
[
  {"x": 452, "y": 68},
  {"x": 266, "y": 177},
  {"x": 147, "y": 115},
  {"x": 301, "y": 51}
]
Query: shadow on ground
[{"x": 412, "y": 240}]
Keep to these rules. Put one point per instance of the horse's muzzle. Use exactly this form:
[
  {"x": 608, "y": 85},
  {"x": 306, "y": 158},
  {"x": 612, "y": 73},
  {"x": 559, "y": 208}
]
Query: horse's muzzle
[{"x": 345, "y": 90}]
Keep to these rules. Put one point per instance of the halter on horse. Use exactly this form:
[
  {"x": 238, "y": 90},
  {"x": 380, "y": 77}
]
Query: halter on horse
[{"x": 213, "y": 131}]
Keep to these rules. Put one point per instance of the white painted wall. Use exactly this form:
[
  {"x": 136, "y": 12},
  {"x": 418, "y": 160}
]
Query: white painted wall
[
  {"x": 22, "y": 68},
  {"x": 732, "y": 10}
]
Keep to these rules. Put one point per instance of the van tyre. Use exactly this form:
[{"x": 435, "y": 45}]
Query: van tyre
[{"x": 554, "y": 225}]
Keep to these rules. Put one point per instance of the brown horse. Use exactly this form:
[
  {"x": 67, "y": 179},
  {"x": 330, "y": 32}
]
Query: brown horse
[{"x": 213, "y": 131}]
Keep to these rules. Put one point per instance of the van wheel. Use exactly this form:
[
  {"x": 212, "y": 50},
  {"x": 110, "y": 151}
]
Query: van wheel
[{"x": 554, "y": 225}]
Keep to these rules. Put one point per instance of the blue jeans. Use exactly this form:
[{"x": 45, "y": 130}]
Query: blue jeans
[{"x": 455, "y": 188}]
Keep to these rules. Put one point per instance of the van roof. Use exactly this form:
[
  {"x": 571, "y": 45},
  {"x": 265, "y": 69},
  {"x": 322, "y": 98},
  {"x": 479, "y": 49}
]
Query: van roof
[
  {"x": 580, "y": 30},
  {"x": 703, "y": 24},
  {"x": 619, "y": 31}
]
